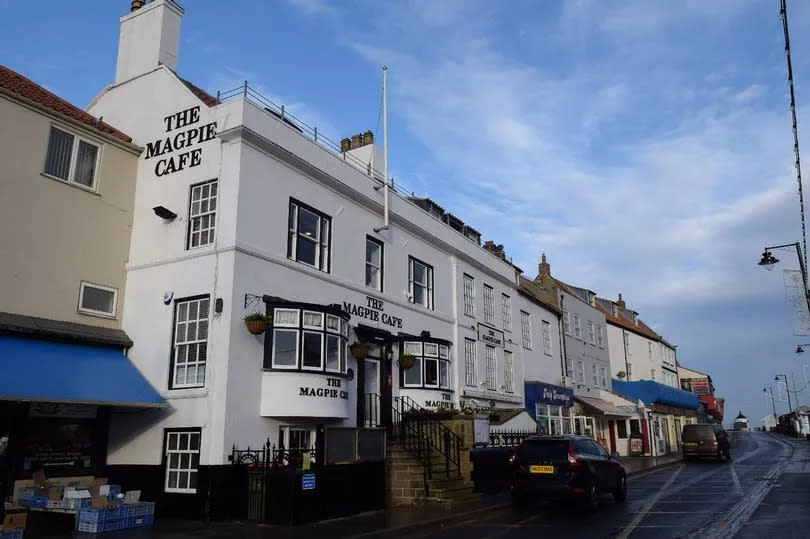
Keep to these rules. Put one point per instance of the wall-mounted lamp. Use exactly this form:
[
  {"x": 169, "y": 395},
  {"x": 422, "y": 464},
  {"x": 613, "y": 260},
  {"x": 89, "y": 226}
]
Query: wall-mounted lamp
[{"x": 164, "y": 213}]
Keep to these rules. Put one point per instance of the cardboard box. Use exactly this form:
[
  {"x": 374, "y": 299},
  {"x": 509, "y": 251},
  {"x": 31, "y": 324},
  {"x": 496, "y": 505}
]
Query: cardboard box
[
  {"x": 56, "y": 493},
  {"x": 99, "y": 501},
  {"x": 97, "y": 482},
  {"x": 15, "y": 521}
]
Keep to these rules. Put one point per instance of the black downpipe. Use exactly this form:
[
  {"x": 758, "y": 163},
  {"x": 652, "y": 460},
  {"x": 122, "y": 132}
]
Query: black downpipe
[
  {"x": 561, "y": 327},
  {"x": 624, "y": 346}
]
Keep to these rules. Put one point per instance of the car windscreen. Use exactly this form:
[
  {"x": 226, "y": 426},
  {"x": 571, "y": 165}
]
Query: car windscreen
[
  {"x": 694, "y": 433},
  {"x": 541, "y": 450}
]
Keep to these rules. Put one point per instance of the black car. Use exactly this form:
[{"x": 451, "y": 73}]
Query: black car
[{"x": 572, "y": 467}]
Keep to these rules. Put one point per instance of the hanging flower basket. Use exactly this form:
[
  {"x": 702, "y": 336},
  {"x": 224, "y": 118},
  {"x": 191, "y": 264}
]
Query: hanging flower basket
[
  {"x": 359, "y": 350},
  {"x": 256, "y": 322},
  {"x": 407, "y": 361}
]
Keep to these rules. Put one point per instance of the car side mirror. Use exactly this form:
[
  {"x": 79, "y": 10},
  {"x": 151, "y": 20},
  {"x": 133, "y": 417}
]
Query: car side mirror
[{"x": 614, "y": 454}]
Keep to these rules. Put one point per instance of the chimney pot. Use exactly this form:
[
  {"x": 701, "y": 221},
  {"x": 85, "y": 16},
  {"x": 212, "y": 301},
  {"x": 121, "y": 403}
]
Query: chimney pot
[
  {"x": 368, "y": 138},
  {"x": 543, "y": 269},
  {"x": 620, "y": 301},
  {"x": 136, "y": 5},
  {"x": 345, "y": 144},
  {"x": 357, "y": 141}
]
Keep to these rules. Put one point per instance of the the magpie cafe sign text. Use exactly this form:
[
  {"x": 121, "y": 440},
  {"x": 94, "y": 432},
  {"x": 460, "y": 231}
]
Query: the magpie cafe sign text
[
  {"x": 490, "y": 335},
  {"x": 181, "y": 137},
  {"x": 331, "y": 391},
  {"x": 373, "y": 310}
]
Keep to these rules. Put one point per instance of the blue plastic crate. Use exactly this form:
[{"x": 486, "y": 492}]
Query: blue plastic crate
[
  {"x": 38, "y": 501},
  {"x": 145, "y": 520},
  {"x": 91, "y": 527},
  {"x": 90, "y": 515},
  {"x": 12, "y": 534}
]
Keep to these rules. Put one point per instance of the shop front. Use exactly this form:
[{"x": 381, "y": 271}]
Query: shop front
[
  {"x": 553, "y": 408},
  {"x": 597, "y": 419},
  {"x": 55, "y": 405},
  {"x": 667, "y": 410}
]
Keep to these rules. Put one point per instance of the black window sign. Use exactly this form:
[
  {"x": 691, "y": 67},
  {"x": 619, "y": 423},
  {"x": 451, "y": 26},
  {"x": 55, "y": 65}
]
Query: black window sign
[
  {"x": 490, "y": 335},
  {"x": 180, "y": 140},
  {"x": 373, "y": 310}
]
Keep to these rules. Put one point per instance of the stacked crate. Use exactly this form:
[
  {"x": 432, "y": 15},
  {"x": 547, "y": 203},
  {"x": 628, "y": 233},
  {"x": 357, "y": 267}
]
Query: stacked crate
[{"x": 96, "y": 520}]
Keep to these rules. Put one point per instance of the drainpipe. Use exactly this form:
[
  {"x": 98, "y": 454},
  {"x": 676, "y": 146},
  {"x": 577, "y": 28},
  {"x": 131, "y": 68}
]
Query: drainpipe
[
  {"x": 454, "y": 292},
  {"x": 624, "y": 346},
  {"x": 561, "y": 329}
]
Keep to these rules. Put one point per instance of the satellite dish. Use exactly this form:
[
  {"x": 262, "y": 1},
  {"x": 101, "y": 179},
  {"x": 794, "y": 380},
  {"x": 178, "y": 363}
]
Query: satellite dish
[
  {"x": 167, "y": 297},
  {"x": 621, "y": 374}
]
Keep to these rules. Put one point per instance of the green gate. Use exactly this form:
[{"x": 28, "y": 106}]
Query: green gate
[{"x": 257, "y": 492}]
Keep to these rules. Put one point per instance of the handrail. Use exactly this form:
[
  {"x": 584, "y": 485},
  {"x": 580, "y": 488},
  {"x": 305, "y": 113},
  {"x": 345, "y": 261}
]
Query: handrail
[{"x": 414, "y": 425}]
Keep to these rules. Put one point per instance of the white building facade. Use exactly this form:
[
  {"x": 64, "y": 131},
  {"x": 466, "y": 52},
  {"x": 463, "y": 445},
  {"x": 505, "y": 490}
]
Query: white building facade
[{"x": 240, "y": 210}]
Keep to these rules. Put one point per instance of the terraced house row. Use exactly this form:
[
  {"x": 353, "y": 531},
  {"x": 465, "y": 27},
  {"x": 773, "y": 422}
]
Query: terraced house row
[{"x": 178, "y": 217}]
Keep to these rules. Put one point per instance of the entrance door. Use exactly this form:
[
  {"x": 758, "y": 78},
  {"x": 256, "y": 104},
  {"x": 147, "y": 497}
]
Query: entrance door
[
  {"x": 371, "y": 392},
  {"x": 612, "y": 429}
]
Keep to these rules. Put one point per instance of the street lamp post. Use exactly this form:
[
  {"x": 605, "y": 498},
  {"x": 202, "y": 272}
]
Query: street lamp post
[
  {"x": 787, "y": 389},
  {"x": 768, "y": 261}
]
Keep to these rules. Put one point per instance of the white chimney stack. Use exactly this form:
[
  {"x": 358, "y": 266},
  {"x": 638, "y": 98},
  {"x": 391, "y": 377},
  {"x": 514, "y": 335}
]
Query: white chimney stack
[{"x": 150, "y": 36}]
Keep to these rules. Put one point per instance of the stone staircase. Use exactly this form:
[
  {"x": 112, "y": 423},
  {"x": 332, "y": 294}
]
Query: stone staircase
[{"x": 407, "y": 483}]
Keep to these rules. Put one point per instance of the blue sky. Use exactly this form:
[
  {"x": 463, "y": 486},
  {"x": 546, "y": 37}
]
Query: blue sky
[{"x": 644, "y": 146}]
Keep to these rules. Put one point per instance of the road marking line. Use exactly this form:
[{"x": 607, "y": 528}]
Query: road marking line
[
  {"x": 737, "y": 486},
  {"x": 639, "y": 517}
]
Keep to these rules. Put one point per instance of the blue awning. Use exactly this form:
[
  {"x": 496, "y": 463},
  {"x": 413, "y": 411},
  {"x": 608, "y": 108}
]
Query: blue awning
[
  {"x": 46, "y": 371},
  {"x": 651, "y": 392}
]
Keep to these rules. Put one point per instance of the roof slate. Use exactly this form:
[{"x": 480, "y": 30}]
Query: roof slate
[
  {"x": 17, "y": 84},
  {"x": 204, "y": 96},
  {"x": 32, "y": 326}
]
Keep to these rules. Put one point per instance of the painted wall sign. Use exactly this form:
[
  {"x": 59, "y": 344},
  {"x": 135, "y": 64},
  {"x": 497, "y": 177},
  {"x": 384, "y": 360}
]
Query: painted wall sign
[
  {"x": 329, "y": 392},
  {"x": 490, "y": 335},
  {"x": 445, "y": 402},
  {"x": 548, "y": 394},
  {"x": 184, "y": 139},
  {"x": 373, "y": 310}
]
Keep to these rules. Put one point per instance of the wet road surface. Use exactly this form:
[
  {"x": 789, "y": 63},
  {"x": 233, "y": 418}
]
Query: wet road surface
[{"x": 701, "y": 499}]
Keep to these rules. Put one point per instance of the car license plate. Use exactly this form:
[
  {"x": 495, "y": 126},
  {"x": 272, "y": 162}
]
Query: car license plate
[
  {"x": 541, "y": 469},
  {"x": 690, "y": 444}
]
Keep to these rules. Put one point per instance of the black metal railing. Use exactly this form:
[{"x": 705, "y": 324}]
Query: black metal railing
[
  {"x": 422, "y": 435},
  {"x": 371, "y": 410},
  {"x": 269, "y": 456},
  {"x": 509, "y": 438}
]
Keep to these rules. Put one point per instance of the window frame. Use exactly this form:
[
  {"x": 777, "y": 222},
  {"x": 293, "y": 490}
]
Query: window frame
[
  {"x": 321, "y": 245},
  {"x": 381, "y": 269},
  {"x": 93, "y": 312},
  {"x": 566, "y": 322},
  {"x": 491, "y": 355},
  {"x": 547, "y": 338},
  {"x": 526, "y": 330},
  {"x": 489, "y": 304},
  {"x": 603, "y": 377},
  {"x": 166, "y": 459},
  {"x": 74, "y": 152},
  {"x": 506, "y": 312},
  {"x": 212, "y": 229},
  {"x": 173, "y": 357},
  {"x": 470, "y": 361},
  {"x": 591, "y": 332},
  {"x": 595, "y": 375},
  {"x": 429, "y": 276},
  {"x": 508, "y": 371},
  {"x": 577, "y": 326},
  {"x": 580, "y": 371},
  {"x": 600, "y": 336},
  {"x": 469, "y": 295}
]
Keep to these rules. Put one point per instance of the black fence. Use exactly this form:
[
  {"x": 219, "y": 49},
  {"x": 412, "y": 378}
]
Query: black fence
[
  {"x": 509, "y": 438},
  {"x": 344, "y": 474}
]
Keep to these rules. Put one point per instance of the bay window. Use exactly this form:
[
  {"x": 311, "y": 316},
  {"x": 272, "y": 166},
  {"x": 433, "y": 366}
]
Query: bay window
[
  {"x": 306, "y": 337},
  {"x": 431, "y": 367}
]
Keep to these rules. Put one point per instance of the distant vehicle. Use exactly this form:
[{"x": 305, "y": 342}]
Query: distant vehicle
[
  {"x": 741, "y": 422},
  {"x": 566, "y": 467},
  {"x": 705, "y": 440}
]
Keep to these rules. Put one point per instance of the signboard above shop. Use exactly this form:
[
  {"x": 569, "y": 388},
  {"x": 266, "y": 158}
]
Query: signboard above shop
[
  {"x": 490, "y": 335},
  {"x": 548, "y": 394}
]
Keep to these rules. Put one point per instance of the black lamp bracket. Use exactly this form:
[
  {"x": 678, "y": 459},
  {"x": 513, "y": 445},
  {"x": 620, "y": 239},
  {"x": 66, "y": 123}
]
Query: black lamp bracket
[{"x": 251, "y": 299}]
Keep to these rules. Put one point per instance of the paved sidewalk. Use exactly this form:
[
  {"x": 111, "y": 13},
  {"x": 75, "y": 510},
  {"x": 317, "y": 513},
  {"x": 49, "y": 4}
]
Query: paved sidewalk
[{"x": 634, "y": 465}]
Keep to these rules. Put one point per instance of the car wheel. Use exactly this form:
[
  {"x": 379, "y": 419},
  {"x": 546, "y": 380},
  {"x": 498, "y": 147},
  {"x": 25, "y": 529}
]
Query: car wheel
[
  {"x": 620, "y": 494},
  {"x": 590, "y": 500}
]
